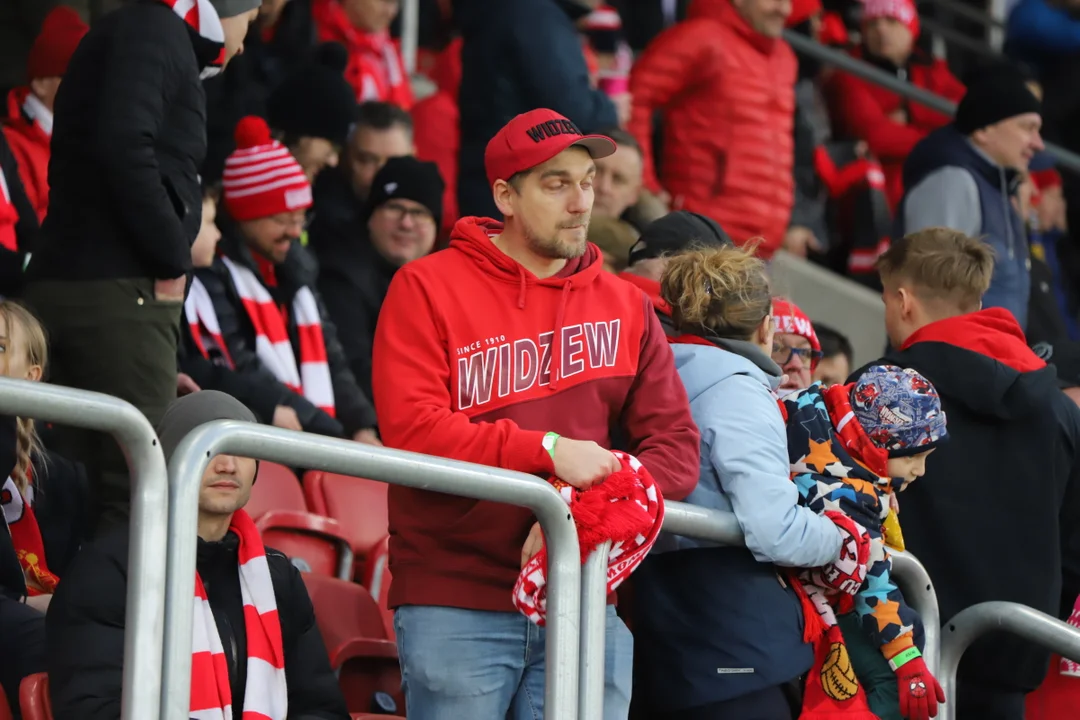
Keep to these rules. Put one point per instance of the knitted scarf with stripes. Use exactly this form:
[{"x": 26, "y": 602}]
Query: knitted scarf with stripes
[
  {"x": 202, "y": 319},
  {"x": 311, "y": 376},
  {"x": 625, "y": 508},
  {"x": 204, "y": 19},
  {"x": 266, "y": 694}
]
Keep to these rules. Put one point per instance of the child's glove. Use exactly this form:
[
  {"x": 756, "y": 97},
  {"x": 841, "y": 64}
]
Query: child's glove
[
  {"x": 847, "y": 573},
  {"x": 919, "y": 691}
]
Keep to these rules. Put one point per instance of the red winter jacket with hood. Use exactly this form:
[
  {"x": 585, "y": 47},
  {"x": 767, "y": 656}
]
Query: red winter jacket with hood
[
  {"x": 475, "y": 359},
  {"x": 28, "y": 138},
  {"x": 728, "y": 98}
]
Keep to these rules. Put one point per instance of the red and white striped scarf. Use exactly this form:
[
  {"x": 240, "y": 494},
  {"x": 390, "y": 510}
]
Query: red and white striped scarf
[
  {"x": 266, "y": 694},
  {"x": 26, "y": 537},
  {"x": 9, "y": 216},
  {"x": 311, "y": 377},
  {"x": 1068, "y": 667},
  {"x": 202, "y": 319},
  {"x": 625, "y": 508},
  {"x": 202, "y": 16}
]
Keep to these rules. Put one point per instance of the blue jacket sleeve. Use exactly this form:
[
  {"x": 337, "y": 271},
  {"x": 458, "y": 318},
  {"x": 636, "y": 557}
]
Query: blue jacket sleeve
[
  {"x": 552, "y": 67},
  {"x": 745, "y": 435},
  {"x": 1035, "y": 26}
]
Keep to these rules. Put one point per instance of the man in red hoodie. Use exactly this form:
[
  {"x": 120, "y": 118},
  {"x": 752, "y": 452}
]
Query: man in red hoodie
[
  {"x": 514, "y": 349},
  {"x": 997, "y": 515}
]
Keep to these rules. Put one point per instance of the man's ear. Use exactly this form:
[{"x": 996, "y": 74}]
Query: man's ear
[
  {"x": 501, "y": 191},
  {"x": 907, "y": 302}
]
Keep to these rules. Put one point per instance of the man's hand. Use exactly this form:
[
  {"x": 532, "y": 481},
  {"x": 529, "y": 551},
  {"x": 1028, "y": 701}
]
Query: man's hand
[
  {"x": 170, "y": 290},
  {"x": 185, "y": 385},
  {"x": 1051, "y": 210},
  {"x": 799, "y": 240},
  {"x": 367, "y": 436},
  {"x": 533, "y": 544},
  {"x": 899, "y": 115},
  {"x": 623, "y": 105},
  {"x": 41, "y": 602},
  {"x": 583, "y": 463},
  {"x": 286, "y": 418}
]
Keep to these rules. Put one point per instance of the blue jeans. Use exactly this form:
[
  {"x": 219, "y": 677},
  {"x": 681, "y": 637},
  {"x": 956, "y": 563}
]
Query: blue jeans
[{"x": 458, "y": 664}]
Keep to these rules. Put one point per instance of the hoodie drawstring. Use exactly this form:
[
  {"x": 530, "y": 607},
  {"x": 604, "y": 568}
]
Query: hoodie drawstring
[
  {"x": 521, "y": 291},
  {"x": 556, "y": 341}
]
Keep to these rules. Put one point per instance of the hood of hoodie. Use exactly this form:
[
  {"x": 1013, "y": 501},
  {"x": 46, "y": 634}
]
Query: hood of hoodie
[
  {"x": 723, "y": 11},
  {"x": 947, "y": 146},
  {"x": 702, "y": 363},
  {"x": 981, "y": 361}
]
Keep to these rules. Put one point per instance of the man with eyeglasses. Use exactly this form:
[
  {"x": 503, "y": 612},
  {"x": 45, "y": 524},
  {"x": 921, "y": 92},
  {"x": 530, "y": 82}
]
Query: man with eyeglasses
[
  {"x": 261, "y": 304},
  {"x": 398, "y": 224},
  {"x": 795, "y": 346}
]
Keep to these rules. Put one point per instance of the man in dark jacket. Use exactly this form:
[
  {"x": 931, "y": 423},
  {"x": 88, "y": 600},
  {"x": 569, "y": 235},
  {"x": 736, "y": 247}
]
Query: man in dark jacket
[
  {"x": 358, "y": 261},
  {"x": 965, "y": 176},
  {"x": 108, "y": 276},
  {"x": 263, "y": 298},
  {"x": 518, "y": 56},
  {"x": 85, "y": 623},
  {"x": 999, "y": 506}
]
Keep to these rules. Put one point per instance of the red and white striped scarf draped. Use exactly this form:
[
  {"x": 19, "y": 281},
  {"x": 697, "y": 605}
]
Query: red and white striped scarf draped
[
  {"x": 202, "y": 319},
  {"x": 26, "y": 537},
  {"x": 265, "y": 692},
  {"x": 9, "y": 216},
  {"x": 311, "y": 376},
  {"x": 202, "y": 16},
  {"x": 625, "y": 508}
]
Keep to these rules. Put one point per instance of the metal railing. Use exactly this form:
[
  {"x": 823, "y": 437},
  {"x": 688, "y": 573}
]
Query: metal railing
[
  {"x": 149, "y": 497},
  {"x": 189, "y": 462},
  {"x": 805, "y": 46},
  {"x": 980, "y": 619}
]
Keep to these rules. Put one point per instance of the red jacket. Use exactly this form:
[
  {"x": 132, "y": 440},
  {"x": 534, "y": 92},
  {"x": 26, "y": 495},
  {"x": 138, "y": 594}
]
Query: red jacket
[
  {"x": 728, "y": 98},
  {"x": 860, "y": 110},
  {"x": 457, "y": 348},
  {"x": 375, "y": 68},
  {"x": 29, "y": 143},
  {"x": 435, "y": 127}
]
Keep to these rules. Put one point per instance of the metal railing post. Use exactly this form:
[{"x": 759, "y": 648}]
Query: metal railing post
[
  {"x": 695, "y": 522},
  {"x": 970, "y": 623},
  {"x": 918, "y": 589},
  {"x": 410, "y": 35},
  {"x": 149, "y": 515},
  {"x": 593, "y": 626},
  {"x": 191, "y": 458}
]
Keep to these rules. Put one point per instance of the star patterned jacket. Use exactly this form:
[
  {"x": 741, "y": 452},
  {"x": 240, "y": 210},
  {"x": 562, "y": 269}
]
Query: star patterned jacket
[{"x": 836, "y": 467}]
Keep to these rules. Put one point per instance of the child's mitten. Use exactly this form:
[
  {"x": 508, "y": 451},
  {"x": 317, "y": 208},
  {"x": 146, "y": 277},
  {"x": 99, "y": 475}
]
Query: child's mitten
[{"x": 919, "y": 690}]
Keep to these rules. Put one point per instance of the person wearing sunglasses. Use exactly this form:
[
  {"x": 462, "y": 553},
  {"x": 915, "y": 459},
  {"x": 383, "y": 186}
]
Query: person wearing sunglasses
[{"x": 795, "y": 346}]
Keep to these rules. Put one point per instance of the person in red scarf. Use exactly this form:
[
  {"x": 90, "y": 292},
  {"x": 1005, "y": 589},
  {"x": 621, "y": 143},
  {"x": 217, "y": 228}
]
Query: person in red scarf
[
  {"x": 257, "y": 310},
  {"x": 375, "y": 70},
  {"x": 256, "y": 649},
  {"x": 1014, "y": 439},
  {"x": 29, "y": 120}
]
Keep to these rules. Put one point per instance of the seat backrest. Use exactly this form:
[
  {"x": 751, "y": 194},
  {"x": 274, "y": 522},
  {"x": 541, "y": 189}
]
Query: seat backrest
[
  {"x": 343, "y": 610},
  {"x": 358, "y": 504},
  {"x": 377, "y": 580},
  {"x": 5, "y": 709},
  {"x": 276, "y": 488},
  {"x": 34, "y": 697}
]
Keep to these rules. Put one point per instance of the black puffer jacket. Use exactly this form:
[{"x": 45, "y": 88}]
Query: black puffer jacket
[
  {"x": 353, "y": 408},
  {"x": 128, "y": 140},
  {"x": 85, "y": 627}
]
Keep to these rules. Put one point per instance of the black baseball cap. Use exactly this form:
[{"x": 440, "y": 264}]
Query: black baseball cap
[{"x": 675, "y": 232}]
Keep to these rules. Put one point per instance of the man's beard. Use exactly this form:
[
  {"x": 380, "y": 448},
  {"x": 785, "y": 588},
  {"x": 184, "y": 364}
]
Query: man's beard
[{"x": 555, "y": 248}]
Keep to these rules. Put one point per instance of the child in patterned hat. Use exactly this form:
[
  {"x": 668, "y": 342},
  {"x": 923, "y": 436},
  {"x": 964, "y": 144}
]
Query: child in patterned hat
[{"x": 851, "y": 448}]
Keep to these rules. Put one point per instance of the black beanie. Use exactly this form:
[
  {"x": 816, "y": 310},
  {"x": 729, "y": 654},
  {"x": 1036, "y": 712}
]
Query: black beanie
[
  {"x": 189, "y": 412},
  {"x": 675, "y": 232},
  {"x": 994, "y": 96},
  {"x": 411, "y": 179},
  {"x": 316, "y": 100}
]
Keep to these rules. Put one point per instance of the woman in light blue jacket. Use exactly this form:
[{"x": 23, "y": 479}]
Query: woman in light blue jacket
[{"x": 720, "y": 630}]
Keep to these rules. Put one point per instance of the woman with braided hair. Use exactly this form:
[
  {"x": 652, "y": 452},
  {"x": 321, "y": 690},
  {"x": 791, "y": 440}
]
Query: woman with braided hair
[{"x": 723, "y": 628}]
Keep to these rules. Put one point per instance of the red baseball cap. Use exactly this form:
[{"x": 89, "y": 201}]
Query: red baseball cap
[{"x": 533, "y": 138}]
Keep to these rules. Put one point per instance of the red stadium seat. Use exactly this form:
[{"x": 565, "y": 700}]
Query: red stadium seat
[
  {"x": 377, "y": 581},
  {"x": 34, "y": 697},
  {"x": 5, "y": 709},
  {"x": 276, "y": 488},
  {"x": 360, "y": 651},
  {"x": 369, "y": 716},
  {"x": 358, "y": 504}
]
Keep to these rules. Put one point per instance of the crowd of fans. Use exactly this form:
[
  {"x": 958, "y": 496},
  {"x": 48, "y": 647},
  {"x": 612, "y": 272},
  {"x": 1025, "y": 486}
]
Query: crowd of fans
[{"x": 549, "y": 252}]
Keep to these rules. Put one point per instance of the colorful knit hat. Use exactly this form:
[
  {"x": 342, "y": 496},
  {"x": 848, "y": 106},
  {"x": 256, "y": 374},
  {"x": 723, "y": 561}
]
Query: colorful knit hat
[
  {"x": 261, "y": 177},
  {"x": 902, "y": 10},
  {"x": 625, "y": 508},
  {"x": 899, "y": 410}
]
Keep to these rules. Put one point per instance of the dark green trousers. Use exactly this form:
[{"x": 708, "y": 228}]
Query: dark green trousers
[
  {"x": 876, "y": 677},
  {"x": 113, "y": 337}
]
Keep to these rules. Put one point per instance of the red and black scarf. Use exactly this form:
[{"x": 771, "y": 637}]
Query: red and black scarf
[
  {"x": 26, "y": 537},
  {"x": 204, "y": 20}
]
